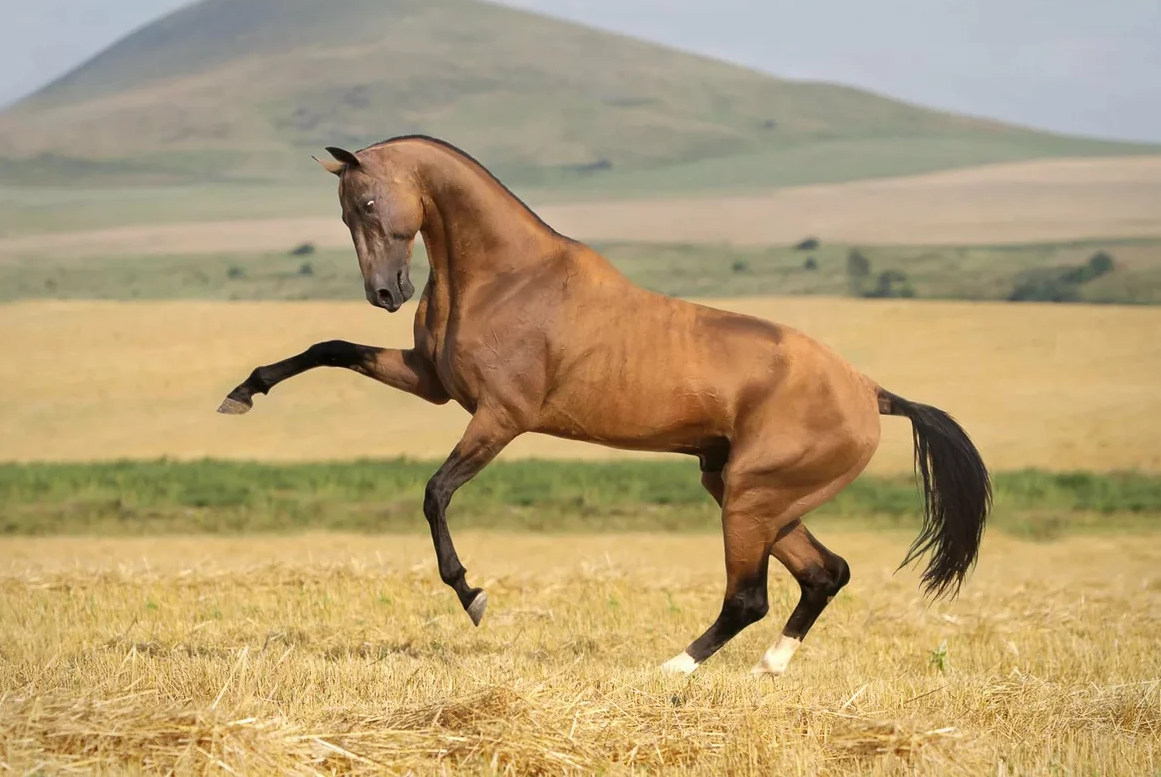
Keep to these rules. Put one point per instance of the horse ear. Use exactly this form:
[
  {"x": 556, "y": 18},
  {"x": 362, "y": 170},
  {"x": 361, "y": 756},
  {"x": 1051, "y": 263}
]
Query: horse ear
[
  {"x": 335, "y": 168},
  {"x": 344, "y": 156}
]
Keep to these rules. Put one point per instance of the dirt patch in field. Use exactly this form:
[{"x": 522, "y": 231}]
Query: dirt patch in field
[{"x": 1044, "y": 201}]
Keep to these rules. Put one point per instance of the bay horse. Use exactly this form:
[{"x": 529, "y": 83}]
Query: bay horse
[{"x": 531, "y": 331}]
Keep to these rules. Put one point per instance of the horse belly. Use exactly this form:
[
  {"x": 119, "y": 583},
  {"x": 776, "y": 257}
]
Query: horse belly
[{"x": 686, "y": 415}]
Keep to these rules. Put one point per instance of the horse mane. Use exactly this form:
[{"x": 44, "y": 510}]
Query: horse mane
[{"x": 473, "y": 162}]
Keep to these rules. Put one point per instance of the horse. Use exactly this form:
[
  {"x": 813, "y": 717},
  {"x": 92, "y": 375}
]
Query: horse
[{"x": 531, "y": 331}]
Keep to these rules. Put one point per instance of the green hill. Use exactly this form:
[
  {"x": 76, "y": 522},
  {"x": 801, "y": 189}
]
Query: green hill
[{"x": 243, "y": 90}]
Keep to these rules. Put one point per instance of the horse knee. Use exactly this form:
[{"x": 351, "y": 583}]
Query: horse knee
[
  {"x": 337, "y": 353},
  {"x": 746, "y": 606},
  {"x": 435, "y": 501}
]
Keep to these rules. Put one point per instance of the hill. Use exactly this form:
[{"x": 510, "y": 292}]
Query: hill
[{"x": 243, "y": 90}]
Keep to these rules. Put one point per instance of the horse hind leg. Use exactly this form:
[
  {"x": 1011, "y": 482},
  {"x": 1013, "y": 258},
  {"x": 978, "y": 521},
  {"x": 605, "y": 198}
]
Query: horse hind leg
[
  {"x": 761, "y": 517},
  {"x": 820, "y": 573}
]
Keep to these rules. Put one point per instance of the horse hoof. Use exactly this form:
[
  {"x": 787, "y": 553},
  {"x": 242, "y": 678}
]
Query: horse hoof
[
  {"x": 231, "y": 406},
  {"x": 775, "y": 660},
  {"x": 477, "y": 607}
]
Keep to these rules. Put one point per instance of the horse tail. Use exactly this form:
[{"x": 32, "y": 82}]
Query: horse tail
[{"x": 957, "y": 494}]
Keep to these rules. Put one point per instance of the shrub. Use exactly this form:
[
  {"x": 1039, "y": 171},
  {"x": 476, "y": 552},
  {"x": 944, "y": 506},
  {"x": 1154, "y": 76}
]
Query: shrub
[
  {"x": 1101, "y": 263},
  {"x": 1098, "y": 264},
  {"x": 858, "y": 270},
  {"x": 891, "y": 283}
]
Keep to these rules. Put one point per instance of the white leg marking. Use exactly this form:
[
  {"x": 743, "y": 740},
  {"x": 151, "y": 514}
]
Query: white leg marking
[
  {"x": 682, "y": 663},
  {"x": 777, "y": 658}
]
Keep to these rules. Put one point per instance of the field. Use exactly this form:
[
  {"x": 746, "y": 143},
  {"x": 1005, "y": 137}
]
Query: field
[
  {"x": 341, "y": 654},
  {"x": 1056, "y": 387}
]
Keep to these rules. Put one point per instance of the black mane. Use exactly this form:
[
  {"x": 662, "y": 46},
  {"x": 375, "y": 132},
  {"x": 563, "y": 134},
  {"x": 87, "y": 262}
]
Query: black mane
[{"x": 457, "y": 150}]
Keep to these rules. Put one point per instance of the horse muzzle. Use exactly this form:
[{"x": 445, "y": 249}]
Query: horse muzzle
[{"x": 390, "y": 293}]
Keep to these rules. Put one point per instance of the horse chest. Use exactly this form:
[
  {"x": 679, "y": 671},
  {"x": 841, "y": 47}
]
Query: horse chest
[
  {"x": 481, "y": 357},
  {"x": 456, "y": 370}
]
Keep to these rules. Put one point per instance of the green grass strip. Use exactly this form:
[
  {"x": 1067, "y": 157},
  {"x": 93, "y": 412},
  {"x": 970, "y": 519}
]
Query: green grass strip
[{"x": 214, "y": 496}]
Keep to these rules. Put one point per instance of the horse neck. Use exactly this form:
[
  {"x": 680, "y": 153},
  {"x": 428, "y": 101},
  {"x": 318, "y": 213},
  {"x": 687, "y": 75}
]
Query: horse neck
[{"x": 473, "y": 228}]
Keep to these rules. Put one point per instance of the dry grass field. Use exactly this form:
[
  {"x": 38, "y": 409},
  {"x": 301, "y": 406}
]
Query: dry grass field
[
  {"x": 1053, "y": 387},
  {"x": 1041, "y": 201},
  {"x": 343, "y": 654}
]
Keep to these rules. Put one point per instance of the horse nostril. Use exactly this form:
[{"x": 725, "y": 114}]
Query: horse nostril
[{"x": 384, "y": 295}]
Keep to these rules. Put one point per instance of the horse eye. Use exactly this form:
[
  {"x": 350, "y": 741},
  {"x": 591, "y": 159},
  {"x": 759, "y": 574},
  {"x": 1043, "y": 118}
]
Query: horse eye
[{"x": 369, "y": 205}]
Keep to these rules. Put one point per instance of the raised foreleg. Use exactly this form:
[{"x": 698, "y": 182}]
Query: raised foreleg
[{"x": 404, "y": 370}]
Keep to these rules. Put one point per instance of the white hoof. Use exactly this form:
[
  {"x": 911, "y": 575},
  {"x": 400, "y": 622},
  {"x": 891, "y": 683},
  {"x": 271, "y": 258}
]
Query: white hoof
[
  {"x": 776, "y": 659},
  {"x": 763, "y": 668},
  {"x": 681, "y": 664}
]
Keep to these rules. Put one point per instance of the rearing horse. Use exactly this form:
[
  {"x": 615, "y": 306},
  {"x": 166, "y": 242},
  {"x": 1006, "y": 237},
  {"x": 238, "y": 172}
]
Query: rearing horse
[{"x": 531, "y": 331}]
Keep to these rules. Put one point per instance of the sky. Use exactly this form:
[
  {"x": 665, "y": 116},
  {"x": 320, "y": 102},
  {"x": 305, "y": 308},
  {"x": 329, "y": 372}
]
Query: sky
[{"x": 1088, "y": 67}]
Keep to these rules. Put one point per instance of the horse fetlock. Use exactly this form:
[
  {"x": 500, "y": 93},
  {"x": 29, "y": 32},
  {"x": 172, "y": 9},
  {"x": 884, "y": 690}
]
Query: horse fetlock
[
  {"x": 456, "y": 576},
  {"x": 259, "y": 382}
]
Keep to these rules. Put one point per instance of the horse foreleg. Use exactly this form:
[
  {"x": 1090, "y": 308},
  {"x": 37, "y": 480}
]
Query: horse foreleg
[
  {"x": 483, "y": 439},
  {"x": 404, "y": 370},
  {"x": 715, "y": 485},
  {"x": 747, "y": 559}
]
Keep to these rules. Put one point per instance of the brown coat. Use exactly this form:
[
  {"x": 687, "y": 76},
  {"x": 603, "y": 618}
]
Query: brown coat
[{"x": 531, "y": 331}]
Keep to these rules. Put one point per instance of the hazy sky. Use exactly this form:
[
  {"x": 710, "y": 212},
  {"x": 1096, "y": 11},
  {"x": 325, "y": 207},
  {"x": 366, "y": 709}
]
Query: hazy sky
[{"x": 1078, "y": 66}]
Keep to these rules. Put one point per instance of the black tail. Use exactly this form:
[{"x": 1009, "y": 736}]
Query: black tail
[{"x": 957, "y": 494}]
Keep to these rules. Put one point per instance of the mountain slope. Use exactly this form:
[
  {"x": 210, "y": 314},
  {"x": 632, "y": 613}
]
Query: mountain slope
[{"x": 244, "y": 89}]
